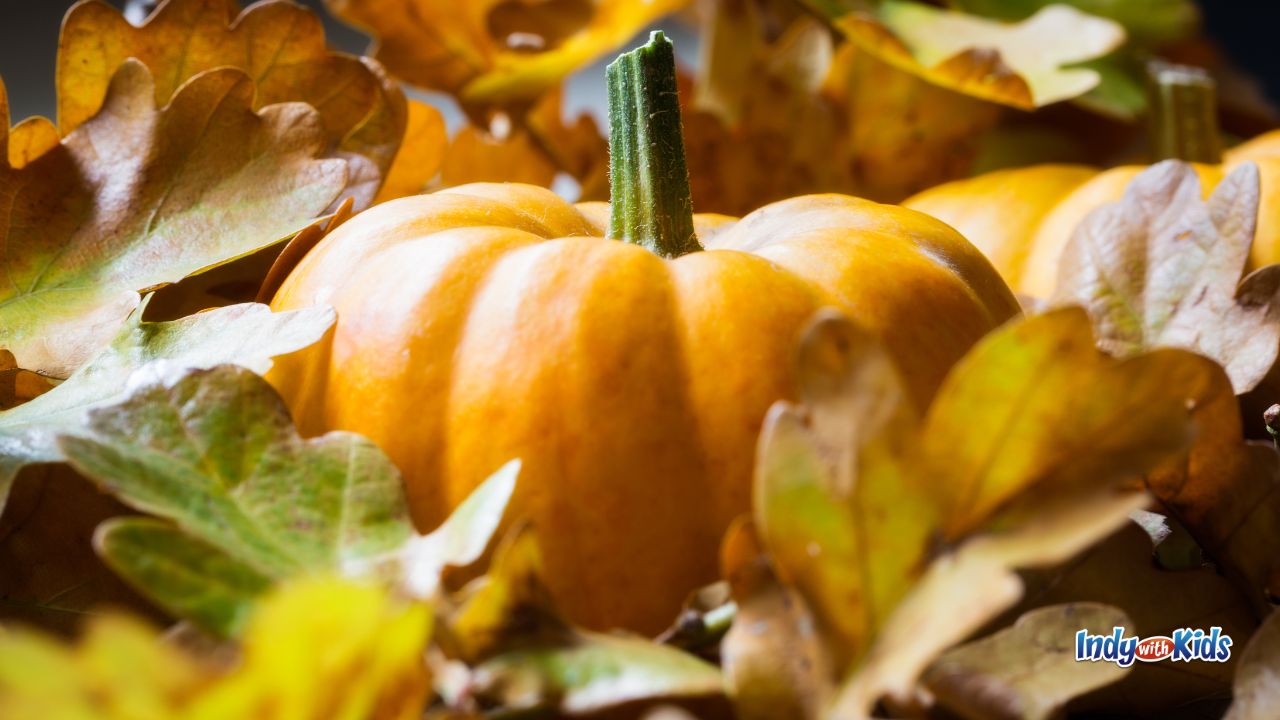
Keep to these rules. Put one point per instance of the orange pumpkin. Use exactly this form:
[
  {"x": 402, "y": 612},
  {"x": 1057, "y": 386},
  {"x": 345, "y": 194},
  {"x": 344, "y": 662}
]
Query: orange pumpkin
[
  {"x": 1022, "y": 218},
  {"x": 489, "y": 322}
]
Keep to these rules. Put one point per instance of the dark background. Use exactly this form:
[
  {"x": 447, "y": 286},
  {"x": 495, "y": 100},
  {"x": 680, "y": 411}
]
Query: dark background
[{"x": 1248, "y": 30}]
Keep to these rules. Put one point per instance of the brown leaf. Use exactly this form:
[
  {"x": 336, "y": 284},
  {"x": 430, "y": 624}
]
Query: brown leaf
[
  {"x": 1162, "y": 268},
  {"x": 139, "y": 196},
  {"x": 52, "y": 576},
  {"x": 1029, "y": 670},
  {"x": 1121, "y": 572},
  {"x": 280, "y": 45},
  {"x": 1227, "y": 494}
]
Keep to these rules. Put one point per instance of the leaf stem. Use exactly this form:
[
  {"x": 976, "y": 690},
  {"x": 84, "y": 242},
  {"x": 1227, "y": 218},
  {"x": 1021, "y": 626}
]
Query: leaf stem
[
  {"x": 1184, "y": 114},
  {"x": 650, "y": 201}
]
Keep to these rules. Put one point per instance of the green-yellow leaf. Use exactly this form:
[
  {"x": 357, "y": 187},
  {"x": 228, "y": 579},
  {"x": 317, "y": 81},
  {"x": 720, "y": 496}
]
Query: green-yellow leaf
[{"x": 248, "y": 335}]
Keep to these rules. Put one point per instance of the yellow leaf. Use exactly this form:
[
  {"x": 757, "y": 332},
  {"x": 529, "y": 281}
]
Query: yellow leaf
[
  {"x": 422, "y": 152},
  {"x": 1022, "y": 65},
  {"x": 497, "y": 52},
  {"x": 326, "y": 649},
  {"x": 902, "y": 536}
]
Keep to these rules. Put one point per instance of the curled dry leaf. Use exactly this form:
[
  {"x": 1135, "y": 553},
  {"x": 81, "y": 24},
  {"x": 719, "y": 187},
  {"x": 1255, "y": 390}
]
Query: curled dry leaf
[
  {"x": 280, "y": 45},
  {"x": 1163, "y": 268},
  {"x": 1147, "y": 21},
  {"x": 1026, "y": 456},
  {"x": 1257, "y": 683},
  {"x": 140, "y": 196},
  {"x": 247, "y": 335},
  {"x": 1027, "y": 671},
  {"x": 320, "y": 648},
  {"x": 523, "y": 656},
  {"x": 496, "y": 52},
  {"x": 1022, "y": 65}
]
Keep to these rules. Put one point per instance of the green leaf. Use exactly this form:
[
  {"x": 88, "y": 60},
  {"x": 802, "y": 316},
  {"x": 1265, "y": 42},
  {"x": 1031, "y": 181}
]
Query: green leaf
[
  {"x": 1148, "y": 21},
  {"x": 248, "y": 335},
  {"x": 139, "y": 197},
  {"x": 1121, "y": 92},
  {"x": 199, "y": 581},
  {"x": 242, "y": 500}
]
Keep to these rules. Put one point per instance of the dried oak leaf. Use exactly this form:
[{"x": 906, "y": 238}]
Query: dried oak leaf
[
  {"x": 1027, "y": 455},
  {"x": 1025, "y": 65},
  {"x": 496, "y": 52},
  {"x": 138, "y": 197},
  {"x": 280, "y": 45},
  {"x": 319, "y": 648},
  {"x": 1162, "y": 268},
  {"x": 1029, "y": 670},
  {"x": 248, "y": 335},
  {"x": 523, "y": 656},
  {"x": 239, "y": 506},
  {"x": 421, "y": 153},
  {"x": 1257, "y": 683},
  {"x": 1121, "y": 571}
]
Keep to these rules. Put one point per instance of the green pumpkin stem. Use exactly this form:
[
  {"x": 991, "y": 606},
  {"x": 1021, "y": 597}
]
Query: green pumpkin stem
[
  {"x": 648, "y": 179},
  {"x": 1184, "y": 114}
]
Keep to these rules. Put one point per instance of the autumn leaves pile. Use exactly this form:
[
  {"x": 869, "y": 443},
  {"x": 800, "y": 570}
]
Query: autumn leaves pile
[{"x": 928, "y": 524}]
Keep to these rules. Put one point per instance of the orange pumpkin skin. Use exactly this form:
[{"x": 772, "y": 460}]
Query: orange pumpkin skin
[
  {"x": 1022, "y": 218},
  {"x": 489, "y": 322}
]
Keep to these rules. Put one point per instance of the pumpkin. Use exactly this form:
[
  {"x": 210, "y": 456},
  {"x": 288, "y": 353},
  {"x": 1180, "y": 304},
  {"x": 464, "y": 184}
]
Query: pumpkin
[
  {"x": 1022, "y": 218},
  {"x": 495, "y": 321}
]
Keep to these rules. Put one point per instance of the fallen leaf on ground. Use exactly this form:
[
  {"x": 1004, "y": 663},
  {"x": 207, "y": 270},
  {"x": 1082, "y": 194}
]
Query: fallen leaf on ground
[
  {"x": 1121, "y": 572},
  {"x": 1029, "y": 454},
  {"x": 52, "y": 578},
  {"x": 138, "y": 197},
  {"x": 1025, "y": 65},
  {"x": 280, "y": 45},
  {"x": 1028, "y": 670},
  {"x": 523, "y": 656},
  {"x": 248, "y": 335},
  {"x": 1257, "y": 684},
  {"x": 1163, "y": 268},
  {"x": 496, "y": 52}
]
